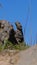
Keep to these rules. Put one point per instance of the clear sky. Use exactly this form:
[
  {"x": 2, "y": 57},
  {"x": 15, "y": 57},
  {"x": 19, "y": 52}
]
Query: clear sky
[{"x": 16, "y": 10}]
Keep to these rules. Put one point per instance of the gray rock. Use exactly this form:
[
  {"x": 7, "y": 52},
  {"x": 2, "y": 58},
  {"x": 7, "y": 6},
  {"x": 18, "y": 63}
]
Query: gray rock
[
  {"x": 19, "y": 32},
  {"x": 7, "y": 32},
  {"x": 18, "y": 25}
]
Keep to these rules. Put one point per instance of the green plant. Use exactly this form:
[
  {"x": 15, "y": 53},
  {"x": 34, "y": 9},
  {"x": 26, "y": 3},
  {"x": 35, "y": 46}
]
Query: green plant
[
  {"x": 8, "y": 45},
  {"x": 0, "y": 47}
]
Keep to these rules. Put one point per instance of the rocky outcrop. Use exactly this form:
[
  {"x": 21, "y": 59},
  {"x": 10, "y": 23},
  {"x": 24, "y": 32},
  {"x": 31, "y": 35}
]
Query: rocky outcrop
[
  {"x": 7, "y": 32},
  {"x": 19, "y": 32}
]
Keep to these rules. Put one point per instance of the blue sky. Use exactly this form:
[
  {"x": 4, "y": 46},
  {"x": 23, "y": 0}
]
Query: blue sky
[{"x": 17, "y": 10}]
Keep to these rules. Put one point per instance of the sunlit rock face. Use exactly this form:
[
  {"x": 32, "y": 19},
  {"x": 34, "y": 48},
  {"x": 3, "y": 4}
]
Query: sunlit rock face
[
  {"x": 7, "y": 32},
  {"x": 5, "y": 28}
]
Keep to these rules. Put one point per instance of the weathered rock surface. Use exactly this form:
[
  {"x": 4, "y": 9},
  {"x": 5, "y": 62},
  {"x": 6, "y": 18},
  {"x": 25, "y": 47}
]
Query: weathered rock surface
[
  {"x": 4, "y": 30},
  {"x": 19, "y": 32},
  {"x": 7, "y": 32}
]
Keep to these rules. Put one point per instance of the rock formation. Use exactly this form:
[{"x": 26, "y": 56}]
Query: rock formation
[
  {"x": 19, "y": 32},
  {"x": 7, "y": 32}
]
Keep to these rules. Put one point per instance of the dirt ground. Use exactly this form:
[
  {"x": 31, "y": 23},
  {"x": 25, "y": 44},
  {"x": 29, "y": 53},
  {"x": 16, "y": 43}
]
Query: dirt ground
[
  {"x": 13, "y": 57},
  {"x": 28, "y": 57}
]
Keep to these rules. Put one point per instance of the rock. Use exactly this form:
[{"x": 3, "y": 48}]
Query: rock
[
  {"x": 7, "y": 32},
  {"x": 18, "y": 25},
  {"x": 5, "y": 28},
  {"x": 19, "y": 32},
  {"x": 12, "y": 36}
]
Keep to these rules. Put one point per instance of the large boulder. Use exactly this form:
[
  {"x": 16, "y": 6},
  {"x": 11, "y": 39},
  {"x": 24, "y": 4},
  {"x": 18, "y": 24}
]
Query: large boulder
[{"x": 7, "y": 32}]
